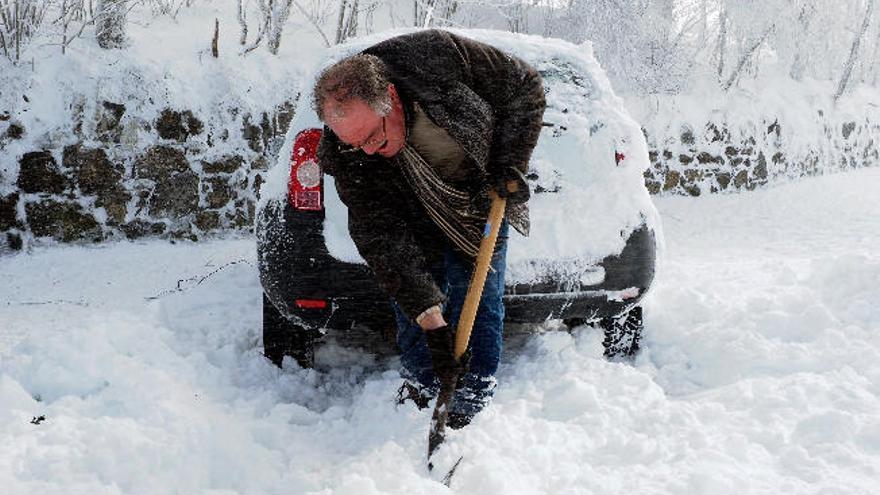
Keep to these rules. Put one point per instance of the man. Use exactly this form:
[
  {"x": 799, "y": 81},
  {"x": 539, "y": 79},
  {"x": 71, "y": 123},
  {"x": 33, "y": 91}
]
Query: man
[{"x": 418, "y": 129}]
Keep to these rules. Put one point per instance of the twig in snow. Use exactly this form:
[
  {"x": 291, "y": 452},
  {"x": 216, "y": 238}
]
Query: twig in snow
[
  {"x": 215, "y": 51},
  {"x": 41, "y": 303},
  {"x": 197, "y": 279}
]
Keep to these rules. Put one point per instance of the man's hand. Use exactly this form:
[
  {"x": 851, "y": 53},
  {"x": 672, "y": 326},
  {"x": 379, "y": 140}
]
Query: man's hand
[
  {"x": 441, "y": 344},
  {"x": 511, "y": 184}
]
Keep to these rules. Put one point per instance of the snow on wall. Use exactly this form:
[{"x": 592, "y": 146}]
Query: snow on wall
[
  {"x": 157, "y": 138},
  {"x": 120, "y": 175},
  {"x": 708, "y": 142}
]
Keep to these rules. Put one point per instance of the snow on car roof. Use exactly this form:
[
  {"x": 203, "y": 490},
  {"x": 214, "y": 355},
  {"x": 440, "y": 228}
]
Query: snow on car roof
[{"x": 589, "y": 203}]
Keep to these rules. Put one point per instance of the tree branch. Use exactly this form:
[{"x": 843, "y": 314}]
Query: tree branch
[
  {"x": 313, "y": 22},
  {"x": 854, "y": 53},
  {"x": 745, "y": 58}
]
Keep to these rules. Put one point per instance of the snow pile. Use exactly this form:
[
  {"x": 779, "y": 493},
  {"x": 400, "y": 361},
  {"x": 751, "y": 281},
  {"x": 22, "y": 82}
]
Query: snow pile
[{"x": 759, "y": 374}]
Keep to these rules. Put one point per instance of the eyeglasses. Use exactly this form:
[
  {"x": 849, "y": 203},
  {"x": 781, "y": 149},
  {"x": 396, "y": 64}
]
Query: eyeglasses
[{"x": 379, "y": 142}]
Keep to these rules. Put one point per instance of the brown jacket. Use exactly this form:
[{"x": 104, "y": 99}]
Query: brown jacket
[{"x": 490, "y": 102}]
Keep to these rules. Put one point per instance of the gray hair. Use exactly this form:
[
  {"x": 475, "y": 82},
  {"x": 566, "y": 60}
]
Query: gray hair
[{"x": 360, "y": 76}]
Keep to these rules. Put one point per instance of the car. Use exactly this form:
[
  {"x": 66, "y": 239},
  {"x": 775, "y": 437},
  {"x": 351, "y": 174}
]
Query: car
[{"x": 590, "y": 256}]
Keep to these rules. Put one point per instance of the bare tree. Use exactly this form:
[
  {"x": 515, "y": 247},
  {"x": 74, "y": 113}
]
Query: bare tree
[
  {"x": 242, "y": 21},
  {"x": 273, "y": 15},
  {"x": 422, "y": 11},
  {"x": 347, "y": 22},
  {"x": 340, "y": 20},
  {"x": 746, "y": 56},
  {"x": 875, "y": 65},
  {"x": 279, "y": 12},
  {"x": 316, "y": 15},
  {"x": 427, "y": 13},
  {"x": 64, "y": 20},
  {"x": 548, "y": 13},
  {"x": 517, "y": 20},
  {"x": 73, "y": 12},
  {"x": 20, "y": 20},
  {"x": 368, "y": 17},
  {"x": 168, "y": 7},
  {"x": 798, "y": 65},
  {"x": 637, "y": 42},
  {"x": 854, "y": 52},
  {"x": 722, "y": 40},
  {"x": 110, "y": 23},
  {"x": 215, "y": 41}
]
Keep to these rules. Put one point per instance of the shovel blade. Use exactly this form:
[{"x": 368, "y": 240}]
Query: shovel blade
[{"x": 438, "y": 419}]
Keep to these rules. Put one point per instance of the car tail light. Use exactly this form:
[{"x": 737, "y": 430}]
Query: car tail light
[
  {"x": 306, "y": 177},
  {"x": 629, "y": 293},
  {"x": 311, "y": 303}
]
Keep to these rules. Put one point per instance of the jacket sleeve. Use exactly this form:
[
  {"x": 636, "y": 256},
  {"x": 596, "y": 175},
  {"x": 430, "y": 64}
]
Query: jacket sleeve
[
  {"x": 514, "y": 91},
  {"x": 382, "y": 235}
]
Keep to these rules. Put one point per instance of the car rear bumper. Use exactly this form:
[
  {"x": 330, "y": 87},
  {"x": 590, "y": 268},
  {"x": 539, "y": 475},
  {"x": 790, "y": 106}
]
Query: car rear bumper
[
  {"x": 295, "y": 266},
  {"x": 628, "y": 276}
]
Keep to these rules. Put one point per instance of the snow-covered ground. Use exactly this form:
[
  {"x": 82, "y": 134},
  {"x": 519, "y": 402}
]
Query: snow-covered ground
[{"x": 760, "y": 373}]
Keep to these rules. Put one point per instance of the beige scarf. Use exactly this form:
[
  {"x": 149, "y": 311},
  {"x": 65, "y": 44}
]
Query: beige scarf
[{"x": 448, "y": 207}]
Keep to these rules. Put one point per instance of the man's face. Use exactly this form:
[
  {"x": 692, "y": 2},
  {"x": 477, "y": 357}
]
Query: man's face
[{"x": 359, "y": 126}]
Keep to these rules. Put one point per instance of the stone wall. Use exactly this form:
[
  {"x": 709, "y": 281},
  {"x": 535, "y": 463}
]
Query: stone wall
[
  {"x": 713, "y": 158},
  {"x": 119, "y": 176},
  {"x": 187, "y": 176}
]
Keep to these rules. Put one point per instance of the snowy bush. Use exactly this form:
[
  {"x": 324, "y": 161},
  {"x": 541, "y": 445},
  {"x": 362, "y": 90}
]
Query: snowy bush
[{"x": 20, "y": 21}]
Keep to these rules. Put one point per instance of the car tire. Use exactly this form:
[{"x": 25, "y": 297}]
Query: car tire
[
  {"x": 284, "y": 338},
  {"x": 623, "y": 334}
]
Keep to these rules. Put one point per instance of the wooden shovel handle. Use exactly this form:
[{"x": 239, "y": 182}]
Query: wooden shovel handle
[
  {"x": 466, "y": 320},
  {"x": 481, "y": 270}
]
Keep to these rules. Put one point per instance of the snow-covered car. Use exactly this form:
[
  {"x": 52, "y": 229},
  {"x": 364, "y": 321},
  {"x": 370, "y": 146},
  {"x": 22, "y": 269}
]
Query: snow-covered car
[{"x": 590, "y": 255}]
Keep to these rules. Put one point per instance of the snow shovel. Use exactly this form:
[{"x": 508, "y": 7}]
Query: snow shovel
[{"x": 466, "y": 320}]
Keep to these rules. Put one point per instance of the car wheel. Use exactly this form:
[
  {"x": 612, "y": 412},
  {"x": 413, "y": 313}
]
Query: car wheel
[
  {"x": 283, "y": 338},
  {"x": 623, "y": 334}
]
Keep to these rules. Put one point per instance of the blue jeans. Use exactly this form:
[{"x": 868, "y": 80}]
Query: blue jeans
[{"x": 453, "y": 277}]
